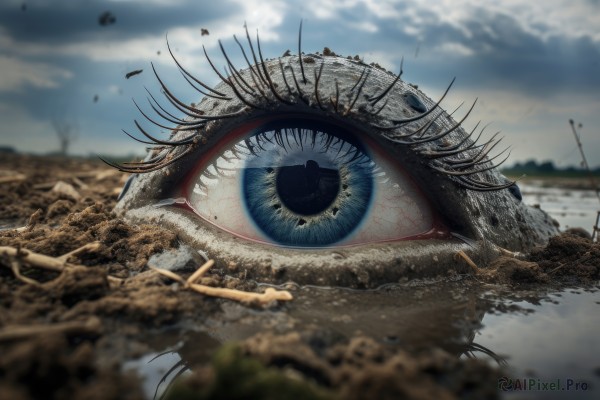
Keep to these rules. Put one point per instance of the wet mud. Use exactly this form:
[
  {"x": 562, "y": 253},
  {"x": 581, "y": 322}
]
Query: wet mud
[
  {"x": 69, "y": 332},
  {"x": 568, "y": 259}
]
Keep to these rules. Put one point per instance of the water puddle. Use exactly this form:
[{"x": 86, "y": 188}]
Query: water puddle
[
  {"x": 536, "y": 335},
  {"x": 556, "y": 344},
  {"x": 8, "y": 224},
  {"x": 571, "y": 207},
  {"x": 159, "y": 369}
]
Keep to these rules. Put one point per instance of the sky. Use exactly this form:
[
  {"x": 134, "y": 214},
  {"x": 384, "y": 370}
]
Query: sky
[{"x": 532, "y": 65}]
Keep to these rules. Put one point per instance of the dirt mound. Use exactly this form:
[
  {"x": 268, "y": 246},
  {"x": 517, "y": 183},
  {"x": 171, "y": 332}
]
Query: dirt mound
[
  {"x": 52, "y": 367},
  {"x": 570, "y": 257},
  {"x": 309, "y": 366},
  {"x": 567, "y": 260}
]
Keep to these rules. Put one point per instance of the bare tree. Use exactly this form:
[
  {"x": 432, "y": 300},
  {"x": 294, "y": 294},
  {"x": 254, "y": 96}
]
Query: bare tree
[{"x": 66, "y": 132}]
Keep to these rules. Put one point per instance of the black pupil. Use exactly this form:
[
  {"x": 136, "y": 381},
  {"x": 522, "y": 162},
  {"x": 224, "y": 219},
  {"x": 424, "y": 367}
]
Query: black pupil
[{"x": 307, "y": 189}]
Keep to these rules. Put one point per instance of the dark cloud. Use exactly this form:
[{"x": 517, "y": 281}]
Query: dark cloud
[
  {"x": 505, "y": 54},
  {"x": 67, "y": 21},
  {"x": 508, "y": 55}
]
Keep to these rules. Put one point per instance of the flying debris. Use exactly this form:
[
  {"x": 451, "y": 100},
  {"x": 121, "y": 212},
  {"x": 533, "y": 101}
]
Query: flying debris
[
  {"x": 133, "y": 73},
  {"x": 107, "y": 18}
]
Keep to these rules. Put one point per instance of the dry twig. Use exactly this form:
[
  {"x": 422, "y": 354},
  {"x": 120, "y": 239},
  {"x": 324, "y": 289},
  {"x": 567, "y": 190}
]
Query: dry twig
[
  {"x": 80, "y": 183},
  {"x": 13, "y": 178},
  {"x": 464, "y": 256},
  {"x": 586, "y": 166},
  {"x": 265, "y": 298},
  {"x": 49, "y": 263},
  {"x": 92, "y": 326},
  {"x": 509, "y": 253},
  {"x": 37, "y": 260},
  {"x": 87, "y": 247}
]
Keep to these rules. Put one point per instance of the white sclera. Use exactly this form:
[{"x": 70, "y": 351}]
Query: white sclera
[{"x": 398, "y": 210}]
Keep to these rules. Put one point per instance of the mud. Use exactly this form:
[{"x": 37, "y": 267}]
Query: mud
[
  {"x": 67, "y": 334},
  {"x": 358, "y": 369},
  {"x": 568, "y": 259}
]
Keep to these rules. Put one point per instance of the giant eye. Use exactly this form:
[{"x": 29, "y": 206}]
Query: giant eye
[
  {"x": 329, "y": 154},
  {"x": 301, "y": 181}
]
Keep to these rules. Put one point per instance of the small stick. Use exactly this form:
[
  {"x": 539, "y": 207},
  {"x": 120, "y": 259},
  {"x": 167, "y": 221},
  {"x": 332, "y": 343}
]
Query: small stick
[
  {"x": 589, "y": 171},
  {"x": 267, "y": 297},
  {"x": 556, "y": 269},
  {"x": 115, "y": 280},
  {"x": 465, "y": 257},
  {"x": 168, "y": 274},
  {"x": 16, "y": 269},
  {"x": 201, "y": 271},
  {"x": 34, "y": 218},
  {"x": 596, "y": 226},
  {"x": 56, "y": 264},
  {"x": 87, "y": 247},
  {"x": 92, "y": 326},
  {"x": 584, "y": 160},
  {"x": 79, "y": 183},
  {"x": 508, "y": 253},
  {"x": 12, "y": 178},
  {"x": 38, "y": 260},
  {"x": 44, "y": 186},
  {"x": 243, "y": 297}
]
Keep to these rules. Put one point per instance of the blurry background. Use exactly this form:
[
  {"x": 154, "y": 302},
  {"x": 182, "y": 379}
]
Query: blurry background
[{"x": 533, "y": 65}]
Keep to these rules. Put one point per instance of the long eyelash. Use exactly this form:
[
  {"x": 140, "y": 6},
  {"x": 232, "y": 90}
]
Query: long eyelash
[
  {"x": 375, "y": 99},
  {"x": 466, "y": 162},
  {"x": 351, "y": 155}
]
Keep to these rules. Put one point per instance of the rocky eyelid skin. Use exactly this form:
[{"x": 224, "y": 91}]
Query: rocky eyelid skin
[{"x": 473, "y": 207}]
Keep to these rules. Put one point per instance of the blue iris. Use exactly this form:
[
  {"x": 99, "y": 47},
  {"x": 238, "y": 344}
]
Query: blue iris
[{"x": 306, "y": 183}]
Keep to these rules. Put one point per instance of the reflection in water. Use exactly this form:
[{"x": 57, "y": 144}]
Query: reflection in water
[
  {"x": 411, "y": 317},
  {"x": 156, "y": 370},
  {"x": 181, "y": 366},
  {"x": 160, "y": 369},
  {"x": 552, "y": 336},
  {"x": 178, "y": 369},
  {"x": 473, "y": 349},
  {"x": 558, "y": 340}
]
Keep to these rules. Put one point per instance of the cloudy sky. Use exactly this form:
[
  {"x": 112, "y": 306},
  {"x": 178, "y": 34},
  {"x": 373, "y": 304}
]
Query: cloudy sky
[{"x": 533, "y": 65}]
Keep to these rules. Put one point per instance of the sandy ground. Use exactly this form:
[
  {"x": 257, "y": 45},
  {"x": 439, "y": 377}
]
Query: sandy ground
[{"x": 68, "y": 323}]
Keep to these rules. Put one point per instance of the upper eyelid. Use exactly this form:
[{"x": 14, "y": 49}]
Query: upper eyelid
[
  {"x": 463, "y": 160},
  {"x": 356, "y": 149}
]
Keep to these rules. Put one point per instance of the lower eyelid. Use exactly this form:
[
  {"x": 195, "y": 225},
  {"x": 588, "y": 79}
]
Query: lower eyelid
[{"x": 367, "y": 266}]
